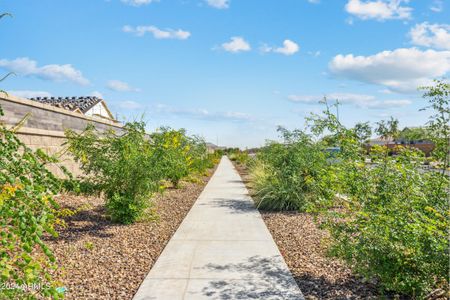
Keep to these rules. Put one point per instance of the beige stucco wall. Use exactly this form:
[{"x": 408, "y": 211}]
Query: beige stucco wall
[{"x": 44, "y": 127}]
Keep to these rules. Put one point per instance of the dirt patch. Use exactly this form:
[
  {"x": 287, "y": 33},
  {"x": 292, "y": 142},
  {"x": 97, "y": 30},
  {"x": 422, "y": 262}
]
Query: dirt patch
[
  {"x": 103, "y": 260},
  {"x": 301, "y": 243}
]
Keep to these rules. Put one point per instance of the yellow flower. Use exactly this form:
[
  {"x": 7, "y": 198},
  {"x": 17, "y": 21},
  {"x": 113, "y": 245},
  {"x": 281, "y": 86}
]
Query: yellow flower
[{"x": 11, "y": 189}]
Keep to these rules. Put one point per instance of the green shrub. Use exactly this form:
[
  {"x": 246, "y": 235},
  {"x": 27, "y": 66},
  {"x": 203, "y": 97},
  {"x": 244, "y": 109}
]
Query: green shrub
[
  {"x": 180, "y": 154},
  {"x": 27, "y": 213},
  {"x": 201, "y": 159},
  {"x": 129, "y": 167},
  {"x": 284, "y": 175},
  {"x": 388, "y": 220},
  {"x": 238, "y": 156},
  {"x": 125, "y": 166},
  {"x": 172, "y": 147},
  {"x": 392, "y": 222}
]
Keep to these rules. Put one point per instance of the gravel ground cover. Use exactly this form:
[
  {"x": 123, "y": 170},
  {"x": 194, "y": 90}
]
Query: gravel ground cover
[
  {"x": 102, "y": 260},
  {"x": 301, "y": 243}
]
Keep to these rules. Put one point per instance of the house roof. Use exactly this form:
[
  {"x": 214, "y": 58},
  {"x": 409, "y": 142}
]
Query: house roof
[
  {"x": 381, "y": 140},
  {"x": 211, "y": 145},
  {"x": 70, "y": 103}
]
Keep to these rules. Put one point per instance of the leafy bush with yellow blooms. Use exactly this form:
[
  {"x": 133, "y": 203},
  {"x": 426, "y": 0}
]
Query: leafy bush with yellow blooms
[
  {"x": 27, "y": 213},
  {"x": 173, "y": 147},
  {"x": 129, "y": 166}
]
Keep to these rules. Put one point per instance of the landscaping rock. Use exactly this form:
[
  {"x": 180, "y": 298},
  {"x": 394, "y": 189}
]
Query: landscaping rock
[{"x": 99, "y": 259}]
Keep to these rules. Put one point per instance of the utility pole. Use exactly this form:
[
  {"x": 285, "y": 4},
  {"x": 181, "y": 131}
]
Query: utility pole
[{"x": 337, "y": 109}]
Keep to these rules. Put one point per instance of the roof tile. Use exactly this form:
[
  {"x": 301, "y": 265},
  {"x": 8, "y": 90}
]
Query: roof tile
[{"x": 70, "y": 103}]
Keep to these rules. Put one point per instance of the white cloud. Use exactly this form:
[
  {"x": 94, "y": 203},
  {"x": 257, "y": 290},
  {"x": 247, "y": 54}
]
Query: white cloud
[
  {"x": 220, "y": 4},
  {"x": 431, "y": 35},
  {"x": 157, "y": 33},
  {"x": 358, "y": 100},
  {"x": 314, "y": 1},
  {"x": 120, "y": 86},
  {"x": 138, "y": 2},
  {"x": 289, "y": 48},
  {"x": 394, "y": 103},
  {"x": 309, "y": 99},
  {"x": 130, "y": 105},
  {"x": 379, "y": 9},
  {"x": 237, "y": 44},
  {"x": 27, "y": 67},
  {"x": 314, "y": 53},
  {"x": 401, "y": 70},
  {"x": 29, "y": 94},
  {"x": 203, "y": 114},
  {"x": 385, "y": 91},
  {"x": 437, "y": 6},
  {"x": 235, "y": 115}
]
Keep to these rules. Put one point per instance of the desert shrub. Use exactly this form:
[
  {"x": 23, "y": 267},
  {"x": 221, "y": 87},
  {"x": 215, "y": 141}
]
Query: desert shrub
[
  {"x": 27, "y": 213},
  {"x": 124, "y": 165},
  {"x": 201, "y": 160},
  {"x": 130, "y": 166},
  {"x": 239, "y": 156},
  {"x": 181, "y": 155},
  {"x": 284, "y": 175},
  {"x": 172, "y": 147},
  {"x": 389, "y": 220}
]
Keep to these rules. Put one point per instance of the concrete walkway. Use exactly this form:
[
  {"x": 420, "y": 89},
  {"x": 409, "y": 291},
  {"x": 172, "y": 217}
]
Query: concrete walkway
[{"x": 222, "y": 250}]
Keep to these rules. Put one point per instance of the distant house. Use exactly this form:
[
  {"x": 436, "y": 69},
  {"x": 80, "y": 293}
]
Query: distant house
[
  {"x": 88, "y": 106},
  {"x": 425, "y": 146},
  {"x": 212, "y": 147},
  {"x": 381, "y": 141}
]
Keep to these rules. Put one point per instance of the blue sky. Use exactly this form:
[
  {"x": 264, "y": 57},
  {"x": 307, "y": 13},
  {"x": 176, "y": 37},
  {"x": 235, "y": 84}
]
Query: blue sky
[{"x": 230, "y": 70}]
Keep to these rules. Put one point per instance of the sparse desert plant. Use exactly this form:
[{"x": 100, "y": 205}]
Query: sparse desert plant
[{"x": 89, "y": 246}]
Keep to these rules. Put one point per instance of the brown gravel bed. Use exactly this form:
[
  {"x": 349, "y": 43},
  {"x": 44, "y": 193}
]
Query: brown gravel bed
[
  {"x": 103, "y": 260},
  {"x": 301, "y": 243}
]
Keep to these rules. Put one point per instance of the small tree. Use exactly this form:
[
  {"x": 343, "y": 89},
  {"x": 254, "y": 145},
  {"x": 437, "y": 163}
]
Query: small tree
[
  {"x": 363, "y": 131},
  {"x": 388, "y": 129},
  {"x": 414, "y": 134}
]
